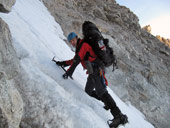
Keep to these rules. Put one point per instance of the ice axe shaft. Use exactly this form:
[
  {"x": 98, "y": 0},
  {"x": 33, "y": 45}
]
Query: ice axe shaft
[{"x": 61, "y": 67}]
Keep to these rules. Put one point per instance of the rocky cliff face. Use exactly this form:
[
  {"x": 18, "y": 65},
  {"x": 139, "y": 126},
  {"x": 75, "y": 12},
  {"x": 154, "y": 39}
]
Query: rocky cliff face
[
  {"x": 162, "y": 39},
  {"x": 147, "y": 28},
  {"x": 143, "y": 74},
  {"x": 11, "y": 105},
  {"x": 103, "y": 13},
  {"x": 6, "y": 5}
]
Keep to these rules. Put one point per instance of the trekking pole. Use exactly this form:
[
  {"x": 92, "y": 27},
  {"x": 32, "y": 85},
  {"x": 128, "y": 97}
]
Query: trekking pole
[{"x": 61, "y": 67}]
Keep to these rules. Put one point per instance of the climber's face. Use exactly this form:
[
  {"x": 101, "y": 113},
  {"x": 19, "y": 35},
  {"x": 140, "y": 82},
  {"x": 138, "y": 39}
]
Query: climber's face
[{"x": 73, "y": 42}]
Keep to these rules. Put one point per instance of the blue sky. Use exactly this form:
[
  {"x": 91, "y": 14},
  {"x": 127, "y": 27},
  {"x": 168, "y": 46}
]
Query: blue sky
[{"x": 153, "y": 12}]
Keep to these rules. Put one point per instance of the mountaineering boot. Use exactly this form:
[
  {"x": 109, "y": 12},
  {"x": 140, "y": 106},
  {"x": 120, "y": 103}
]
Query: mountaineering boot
[{"x": 118, "y": 120}]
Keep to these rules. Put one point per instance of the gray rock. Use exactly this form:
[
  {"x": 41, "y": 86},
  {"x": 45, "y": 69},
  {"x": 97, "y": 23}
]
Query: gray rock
[
  {"x": 11, "y": 105},
  {"x": 6, "y": 5}
]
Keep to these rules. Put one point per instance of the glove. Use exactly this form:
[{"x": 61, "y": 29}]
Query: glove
[
  {"x": 106, "y": 42},
  {"x": 65, "y": 76},
  {"x": 60, "y": 63}
]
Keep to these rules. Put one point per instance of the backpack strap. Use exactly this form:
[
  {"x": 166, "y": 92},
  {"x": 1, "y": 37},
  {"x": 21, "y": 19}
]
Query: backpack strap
[{"x": 79, "y": 44}]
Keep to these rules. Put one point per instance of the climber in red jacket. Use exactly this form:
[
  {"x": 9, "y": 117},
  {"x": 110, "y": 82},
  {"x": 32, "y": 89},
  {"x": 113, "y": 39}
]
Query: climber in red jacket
[{"x": 96, "y": 81}]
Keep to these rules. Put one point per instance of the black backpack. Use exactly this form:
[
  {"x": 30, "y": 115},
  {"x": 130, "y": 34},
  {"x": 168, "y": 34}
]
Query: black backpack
[{"x": 100, "y": 46}]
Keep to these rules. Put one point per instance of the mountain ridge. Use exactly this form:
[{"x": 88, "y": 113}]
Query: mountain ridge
[{"x": 164, "y": 40}]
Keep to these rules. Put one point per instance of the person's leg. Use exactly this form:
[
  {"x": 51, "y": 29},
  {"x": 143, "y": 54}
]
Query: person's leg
[
  {"x": 119, "y": 118},
  {"x": 109, "y": 101},
  {"x": 96, "y": 79},
  {"x": 105, "y": 96},
  {"x": 89, "y": 89}
]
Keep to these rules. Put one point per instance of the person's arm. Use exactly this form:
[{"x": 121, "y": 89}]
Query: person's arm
[
  {"x": 73, "y": 66},
  {"x": 64, "y": 63},
  {"x": 77, "y": 59}
]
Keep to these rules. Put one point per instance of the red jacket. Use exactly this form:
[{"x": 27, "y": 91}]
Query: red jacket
[{"x": 83, "y": 51}]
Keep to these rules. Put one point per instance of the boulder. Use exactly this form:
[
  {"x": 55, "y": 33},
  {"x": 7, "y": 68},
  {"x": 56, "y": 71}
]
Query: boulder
[
  {"x": 11, "y": 104},
  {"x": 6, "y": 5}
]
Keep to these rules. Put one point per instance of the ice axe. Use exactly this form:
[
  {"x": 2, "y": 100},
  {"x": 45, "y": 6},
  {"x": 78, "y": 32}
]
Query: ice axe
[{"x": 61, "y": 67}]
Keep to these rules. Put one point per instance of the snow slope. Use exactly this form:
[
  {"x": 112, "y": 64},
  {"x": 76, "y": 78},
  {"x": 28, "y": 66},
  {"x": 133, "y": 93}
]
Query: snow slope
[{"x": 36, "y": 39}]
